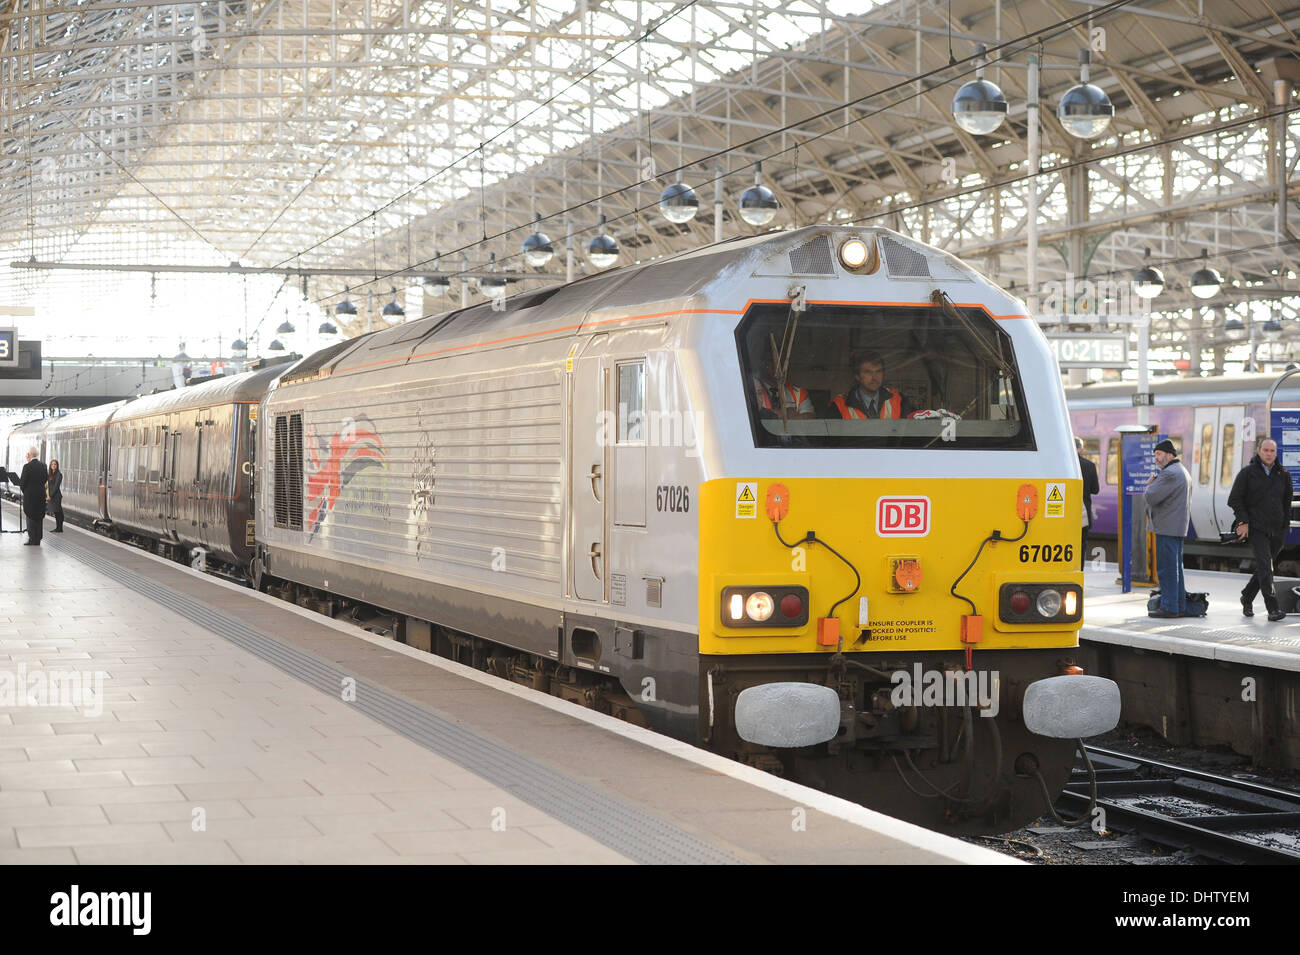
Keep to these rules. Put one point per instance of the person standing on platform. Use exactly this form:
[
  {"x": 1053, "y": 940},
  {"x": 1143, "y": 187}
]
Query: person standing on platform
[
  {"x": 1169, "y": 498},
  {"x": 32, "y": 480},
  {"x": 1090, "y": 487},
  {"x": 1261, "y": 501},
  {"x": 54, "y": 493}
]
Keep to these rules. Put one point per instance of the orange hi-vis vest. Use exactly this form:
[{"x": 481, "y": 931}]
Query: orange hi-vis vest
[
  {"x": 795, "y": 395},
  {"x": 891, "y": 408}
]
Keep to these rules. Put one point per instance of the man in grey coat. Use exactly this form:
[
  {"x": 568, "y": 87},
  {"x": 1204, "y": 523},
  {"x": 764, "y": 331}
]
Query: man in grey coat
[{"x": 1168, "y": 499}]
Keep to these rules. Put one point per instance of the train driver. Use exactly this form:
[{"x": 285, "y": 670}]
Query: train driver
[
  {"x": 798, "y": 402},
  {"x": 870, "y": 397}
]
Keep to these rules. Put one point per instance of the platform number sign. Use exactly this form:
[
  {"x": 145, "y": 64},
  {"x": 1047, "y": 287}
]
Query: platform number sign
[{"x": 8, "y": 347}]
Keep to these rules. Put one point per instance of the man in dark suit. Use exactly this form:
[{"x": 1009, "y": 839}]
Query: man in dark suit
[
  {"x": 1090, "y": 487},
  {"x": 32, "y": 481}
]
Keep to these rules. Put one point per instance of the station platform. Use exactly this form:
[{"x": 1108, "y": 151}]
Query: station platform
[
  {"x": 1219, "y": 680},
  {"x": 171, "y": 717}
]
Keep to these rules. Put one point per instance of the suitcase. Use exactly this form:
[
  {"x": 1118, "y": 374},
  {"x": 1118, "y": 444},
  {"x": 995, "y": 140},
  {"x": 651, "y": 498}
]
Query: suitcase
[{"x": 1198, "y": 604}]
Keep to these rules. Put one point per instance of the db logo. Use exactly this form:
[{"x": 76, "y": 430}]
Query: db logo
[{"x": 903, "y": 516}]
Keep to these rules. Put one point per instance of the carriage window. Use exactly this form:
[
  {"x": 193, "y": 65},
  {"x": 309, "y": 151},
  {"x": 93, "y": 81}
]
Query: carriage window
[
  {"x": 1226, "y": 470},
  {"x": 1206, "y": 454},
  {"x": 857, "y": 376},
  {"x": 1112, "y": 461},
  {"x": 631, "y": 403}
]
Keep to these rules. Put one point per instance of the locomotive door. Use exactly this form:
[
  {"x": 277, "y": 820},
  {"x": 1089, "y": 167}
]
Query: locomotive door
[
  {"x": 589, "y": 461},
  {"x": 1231, "y": 438}
]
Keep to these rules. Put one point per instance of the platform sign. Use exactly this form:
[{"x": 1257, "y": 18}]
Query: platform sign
[
  {"x": 8, "y": 347},
  {"x": 1138, "y": 457},
  {"x": 1285, "y": 430}
]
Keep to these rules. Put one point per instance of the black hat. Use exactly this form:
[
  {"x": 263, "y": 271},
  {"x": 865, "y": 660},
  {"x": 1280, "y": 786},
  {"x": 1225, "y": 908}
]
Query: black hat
[{"x": 1166, "y": 446}]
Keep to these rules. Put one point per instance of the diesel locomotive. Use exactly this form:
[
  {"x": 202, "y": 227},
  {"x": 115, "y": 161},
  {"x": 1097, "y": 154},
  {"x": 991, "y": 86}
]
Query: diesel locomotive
[{"x": 638, "y": 491}]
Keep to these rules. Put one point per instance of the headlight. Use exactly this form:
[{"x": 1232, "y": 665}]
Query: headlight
[
  {"x": 1039, "y": 603},
  {"x": 854, "y": 254},
  {"x": 1049, "y": 603},
  {"x": 759, "y": 606},
  {"x": 766, "y": 606}
]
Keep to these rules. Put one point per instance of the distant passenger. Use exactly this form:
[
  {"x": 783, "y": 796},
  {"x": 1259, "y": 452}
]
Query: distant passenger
[
  {"x": 870, "y": 398},
  {"x": 797, "y": 404},
  {"x": 54, "y": 494},
  {"x": 32, "y": 481},
  {"x": 1261, "y": 501},
  {"x": 1091, "y": 486},
  {"x": 1168, "y": 498}
]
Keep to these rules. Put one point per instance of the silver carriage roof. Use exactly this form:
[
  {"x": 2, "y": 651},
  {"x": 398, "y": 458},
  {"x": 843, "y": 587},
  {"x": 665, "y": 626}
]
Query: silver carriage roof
[{"x": 807, "y": 252}]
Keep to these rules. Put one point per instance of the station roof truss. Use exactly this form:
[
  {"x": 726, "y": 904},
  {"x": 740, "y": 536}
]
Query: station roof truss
[{"x": 370, "y": 134}]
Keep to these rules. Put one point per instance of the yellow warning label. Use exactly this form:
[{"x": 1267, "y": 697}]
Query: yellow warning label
[
  {"x": 746, "y": 499},
  {"x": 1054, "y": 505}
]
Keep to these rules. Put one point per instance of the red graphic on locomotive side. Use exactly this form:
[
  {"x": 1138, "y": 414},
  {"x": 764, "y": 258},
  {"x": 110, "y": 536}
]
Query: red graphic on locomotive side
[{"x": 333, "y": 463}]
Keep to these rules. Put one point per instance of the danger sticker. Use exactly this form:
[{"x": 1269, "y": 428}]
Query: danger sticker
[
  {"x": 1054, "y": 501},
  {"x": 747, "y": 499}
]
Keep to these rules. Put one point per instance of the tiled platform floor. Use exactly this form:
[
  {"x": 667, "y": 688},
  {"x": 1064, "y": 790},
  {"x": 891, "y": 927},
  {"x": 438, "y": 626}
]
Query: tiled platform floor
[
  {"x": 1111, "y": 616},
  {"x": 199, "y": 752}
]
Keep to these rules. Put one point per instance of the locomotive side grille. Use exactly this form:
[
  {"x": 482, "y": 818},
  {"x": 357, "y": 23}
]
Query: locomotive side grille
[
  {"x": 813, "y": 258},
  {"x": 288, "y": 471},
  {"x": 903, "y": 262},
  {"x": 281, "y": 468},
  {"x": 295, "y": 472}
]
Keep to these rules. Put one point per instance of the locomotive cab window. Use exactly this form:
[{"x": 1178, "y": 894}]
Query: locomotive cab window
[{"x": 861, "y": 376}]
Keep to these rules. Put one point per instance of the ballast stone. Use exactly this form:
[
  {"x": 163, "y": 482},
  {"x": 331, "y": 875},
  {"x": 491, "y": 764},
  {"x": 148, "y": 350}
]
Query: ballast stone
[
  {"x": 788, "y": 715},
  {"x": 1072, "y": 707}
]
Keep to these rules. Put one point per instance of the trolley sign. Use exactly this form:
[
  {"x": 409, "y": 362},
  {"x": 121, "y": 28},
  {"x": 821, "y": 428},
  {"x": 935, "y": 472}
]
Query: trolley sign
[{"x": 1094, "y": 350}]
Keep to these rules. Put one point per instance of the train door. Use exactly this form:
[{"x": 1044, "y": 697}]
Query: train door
[
  {"x": 171, "y": 450},
  {"x": 1200, "y": 457},
  {"x": 1232, "y": 437},
  {"x": 589, "y": 461}
]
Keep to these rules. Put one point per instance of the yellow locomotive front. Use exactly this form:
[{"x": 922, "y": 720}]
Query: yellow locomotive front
[{"x": 890, "y": 595}]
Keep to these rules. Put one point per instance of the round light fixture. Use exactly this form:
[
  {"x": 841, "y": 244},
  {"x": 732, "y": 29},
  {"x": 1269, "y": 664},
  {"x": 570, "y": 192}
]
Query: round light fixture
[
  {"x": 276, "y": 346},
  {"x": 1234, "y": 329},
  {"x": 759, "y": 606},
  {"x": 980, "y": 105},
  {"x": 1085, "y": 110},
  {"x": 1272, "y": 329},
  {"x": 492, "y": 285},
  {"x": 1205, "y": 281},
  {"x": 1148, "y": 281},
  {"x": 392, "y": 310},
  {"x": 679, "y": 203},
  {"x": 537, "y": 248},
  {"x": 603, "y": 249}
]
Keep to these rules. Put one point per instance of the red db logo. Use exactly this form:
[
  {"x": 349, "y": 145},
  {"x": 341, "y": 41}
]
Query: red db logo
[{"x": 903, "y": 516}]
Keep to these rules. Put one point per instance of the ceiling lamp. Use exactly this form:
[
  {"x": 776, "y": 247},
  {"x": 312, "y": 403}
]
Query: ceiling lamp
[
  {"x": 345, "y": 308},
  {"x": 1273, "y": 329},
  {"x": 679, "y": 203},
  {"x": 1234, "y": 329},
  {"x": 758, "y": 204},
  {"x": 1085, "y": 110},
  {"x": 392, "y": 310},
  {"x": 538, "y": 250},
  {"x": 979, "y": 106},
  {"x": 276, "y": 346},
  {"x": 285, "y": 327},
  {"x": 239, "y": 348},
  {"x": 492, "y": 285},
  {"x": 327, "y": 328},
  {"x": 1206, "y": 281},
  {"x": 603, "y": 250},
  {"x": 1148, "y": 281}
]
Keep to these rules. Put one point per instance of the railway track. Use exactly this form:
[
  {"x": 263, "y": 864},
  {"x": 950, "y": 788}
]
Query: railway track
[{"x": 1229, "y": 820}]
